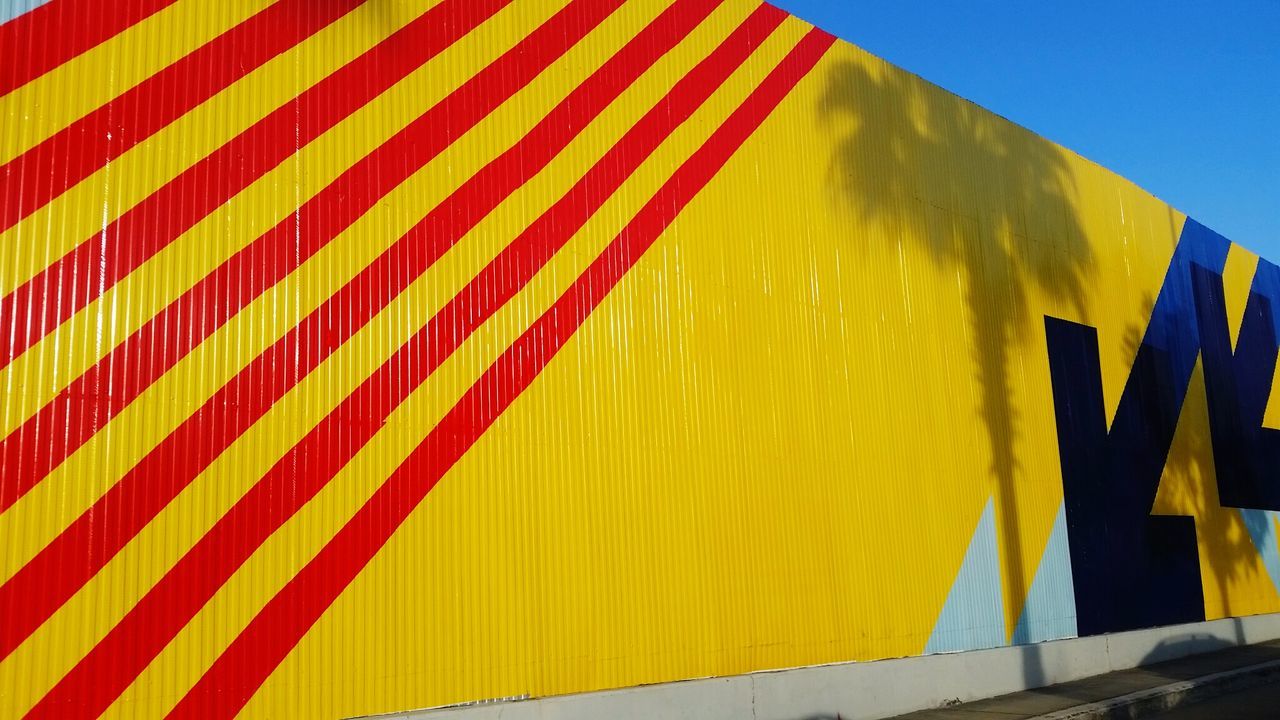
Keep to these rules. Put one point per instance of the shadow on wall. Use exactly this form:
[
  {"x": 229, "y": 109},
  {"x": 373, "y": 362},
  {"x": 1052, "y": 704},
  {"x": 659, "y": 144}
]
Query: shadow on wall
[
  {"x": 907, "y": 148},
  {"x": 996, "y": 205},
  {"x": 1190, "y": 487}
]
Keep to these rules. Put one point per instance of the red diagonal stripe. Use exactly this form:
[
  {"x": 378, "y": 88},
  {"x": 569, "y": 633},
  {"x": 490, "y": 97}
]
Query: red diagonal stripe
[
  {"x": 328, "y": 447},
  {"x": 58, "y": 429},
  {"x": 276, "y": 630},
  {"x": 38, "y": 41},
  {"x": 31, "y": 180},
  {"x": 54, "y": 575},
  {"x": 49, "y": 299}
]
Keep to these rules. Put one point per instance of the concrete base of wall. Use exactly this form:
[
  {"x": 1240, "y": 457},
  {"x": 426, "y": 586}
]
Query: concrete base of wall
[{"x": 872, "y": 690}]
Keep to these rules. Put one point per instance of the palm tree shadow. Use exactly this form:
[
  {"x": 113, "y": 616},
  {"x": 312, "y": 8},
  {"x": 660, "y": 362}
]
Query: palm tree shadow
[
  {"x": 1005, "y": 222},
  {"x": 1190, "y": 487}
]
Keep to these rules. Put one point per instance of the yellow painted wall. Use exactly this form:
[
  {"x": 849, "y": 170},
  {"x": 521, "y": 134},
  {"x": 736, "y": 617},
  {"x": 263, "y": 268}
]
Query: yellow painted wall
[{"x": 771, "y": 445}]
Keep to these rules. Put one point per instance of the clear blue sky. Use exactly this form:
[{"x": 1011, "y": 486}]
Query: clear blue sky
[{"x": 1180, "y": 96}]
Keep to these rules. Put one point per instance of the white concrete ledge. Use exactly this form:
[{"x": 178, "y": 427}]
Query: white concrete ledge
[{"x": 873, "y": 690}]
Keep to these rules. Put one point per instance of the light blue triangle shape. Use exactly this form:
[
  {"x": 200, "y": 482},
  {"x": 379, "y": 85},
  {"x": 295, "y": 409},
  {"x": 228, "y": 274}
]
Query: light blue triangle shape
[
  {"x": 1050, "y": 610},
  {"x": 973, "y": 615},
  {"x": 10, "y": 9},
  {"x": 1262, "y": 530}
]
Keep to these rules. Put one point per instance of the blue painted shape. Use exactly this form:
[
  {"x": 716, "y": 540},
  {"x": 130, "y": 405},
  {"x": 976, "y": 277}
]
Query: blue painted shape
[
  {"x": 1173, "y": 320},
  {"x": 1237, "y": 384},
  {"x": 1262, "y": 530},
  {"x": 1050, "y": 610},
  {"x": 1131, "y": 569},
  {"x": 972, "y": 618},
  {"x": 10, "y": 9}
]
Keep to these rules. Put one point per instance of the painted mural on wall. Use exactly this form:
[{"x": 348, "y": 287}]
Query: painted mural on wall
[{"x": 362, "y": 356}]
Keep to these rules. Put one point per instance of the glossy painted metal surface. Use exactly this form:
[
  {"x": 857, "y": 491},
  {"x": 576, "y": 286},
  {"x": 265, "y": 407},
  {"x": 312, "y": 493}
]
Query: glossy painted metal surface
[{"x": 369, "y": 356}]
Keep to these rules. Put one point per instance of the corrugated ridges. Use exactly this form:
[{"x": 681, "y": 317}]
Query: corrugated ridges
[{"x": 29, "y": 313}]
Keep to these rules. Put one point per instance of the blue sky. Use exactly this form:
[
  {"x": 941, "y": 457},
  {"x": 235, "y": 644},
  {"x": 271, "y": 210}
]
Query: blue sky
[{"x": 1180, "y": 96}]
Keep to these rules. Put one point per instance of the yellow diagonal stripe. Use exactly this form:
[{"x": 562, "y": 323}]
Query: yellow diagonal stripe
[
  {"x": 39, "y": 375},
  {"x": 101, "y": 198},
  {"x": 54, "y": 100}
]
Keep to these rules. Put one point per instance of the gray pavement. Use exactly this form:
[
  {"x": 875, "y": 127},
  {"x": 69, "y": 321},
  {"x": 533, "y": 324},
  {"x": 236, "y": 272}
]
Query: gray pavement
[
  {"x": 1261, "y": 703},
  {"x": 1057, "y": 698}
]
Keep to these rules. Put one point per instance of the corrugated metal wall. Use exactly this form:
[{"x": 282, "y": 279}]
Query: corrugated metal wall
[{"x": 367, "y": 356}]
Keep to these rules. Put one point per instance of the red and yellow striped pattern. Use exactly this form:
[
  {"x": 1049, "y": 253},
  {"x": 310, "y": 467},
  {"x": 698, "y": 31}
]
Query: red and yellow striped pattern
[
  {"x": 270, "y": 269},
  {"x": 364, "y": 356}
]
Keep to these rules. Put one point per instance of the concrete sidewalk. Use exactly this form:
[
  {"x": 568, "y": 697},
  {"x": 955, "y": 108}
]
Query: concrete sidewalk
[{"x": 1135, "y": 693}]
